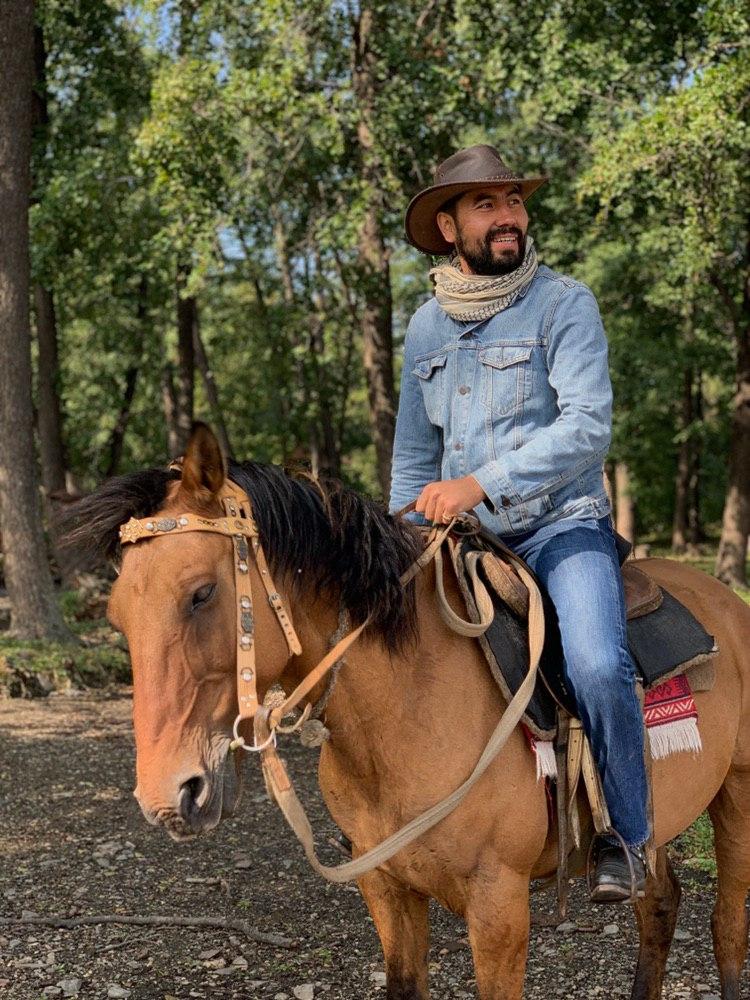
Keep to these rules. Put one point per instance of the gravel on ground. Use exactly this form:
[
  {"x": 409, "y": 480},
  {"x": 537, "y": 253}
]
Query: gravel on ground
[{"x": 73, "y": 843}]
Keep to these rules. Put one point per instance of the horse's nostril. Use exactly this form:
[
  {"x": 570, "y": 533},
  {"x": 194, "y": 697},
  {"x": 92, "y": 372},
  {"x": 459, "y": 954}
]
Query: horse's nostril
[{"x": 192, "y": 795}]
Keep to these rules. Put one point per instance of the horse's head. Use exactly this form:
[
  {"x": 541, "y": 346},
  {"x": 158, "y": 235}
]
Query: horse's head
[
  {"x": 175, "y": 602},
  {"x": 181, "y": 602}
]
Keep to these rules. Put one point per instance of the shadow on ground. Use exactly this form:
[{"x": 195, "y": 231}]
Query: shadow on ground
[{"x": 73, "y": 842}]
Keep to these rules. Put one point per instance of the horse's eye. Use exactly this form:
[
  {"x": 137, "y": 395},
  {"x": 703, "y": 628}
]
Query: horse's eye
[{"x": 203, "y": 594}]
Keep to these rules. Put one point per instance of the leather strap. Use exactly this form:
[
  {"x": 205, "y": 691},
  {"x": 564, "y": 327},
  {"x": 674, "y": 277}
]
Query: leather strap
[
  {"x": 482, "y": 598},
  {"x": 563, "y": 850},
  {"x": 316, "y": 675},
  {"x": 247, "y": 691},
  {"x": 575, "y": 759},
  {"x": 136, "y": 530},
  {"x": 282, "y": 791},
  {"x": 237, "y": 497},
  {"x": 594, "y": 790}
]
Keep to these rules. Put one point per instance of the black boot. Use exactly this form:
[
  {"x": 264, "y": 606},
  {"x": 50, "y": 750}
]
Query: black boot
[{"x": 613, "y": 881}]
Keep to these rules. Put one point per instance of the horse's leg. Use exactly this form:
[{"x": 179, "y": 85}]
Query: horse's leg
[
  {"x": 498, "y": 922},
  {"x": 656, "y": 915},
  {"x": 401, "y": 919},
  {"x": 730, "y": 815}
]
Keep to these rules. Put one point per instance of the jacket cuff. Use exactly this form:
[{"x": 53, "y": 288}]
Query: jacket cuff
[{"x": 497, "y": 486}]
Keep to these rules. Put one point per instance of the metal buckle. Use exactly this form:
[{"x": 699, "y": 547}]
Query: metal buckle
[{"x": 239, "y": 743}]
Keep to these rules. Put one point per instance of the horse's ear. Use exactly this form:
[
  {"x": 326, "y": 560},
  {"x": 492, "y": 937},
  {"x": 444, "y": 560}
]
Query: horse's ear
[{"x": 203, "y": 472}]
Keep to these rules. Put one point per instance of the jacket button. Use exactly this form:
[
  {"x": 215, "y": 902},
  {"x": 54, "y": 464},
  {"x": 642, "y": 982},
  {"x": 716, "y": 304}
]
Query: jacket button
[
  {"x": 464, "y": 389},
  {"x": 505, "y": 501},
  {"x": 457, "y": 446}
]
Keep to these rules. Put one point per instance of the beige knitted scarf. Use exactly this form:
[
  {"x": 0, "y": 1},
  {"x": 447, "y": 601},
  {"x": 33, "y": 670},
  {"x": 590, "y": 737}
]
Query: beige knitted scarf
[{"x": 470, "y": 297}]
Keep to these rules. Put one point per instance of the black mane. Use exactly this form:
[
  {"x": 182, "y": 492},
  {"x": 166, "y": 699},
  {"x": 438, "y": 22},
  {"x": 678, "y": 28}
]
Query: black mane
[{"x": 341, "y": 542}]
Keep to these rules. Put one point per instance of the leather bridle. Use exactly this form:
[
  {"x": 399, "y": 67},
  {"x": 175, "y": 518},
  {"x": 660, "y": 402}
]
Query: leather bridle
[{"x": 239, "y": 525}]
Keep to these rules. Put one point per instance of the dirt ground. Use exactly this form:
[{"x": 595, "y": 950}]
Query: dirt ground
[{"x": 73, "y": 843}]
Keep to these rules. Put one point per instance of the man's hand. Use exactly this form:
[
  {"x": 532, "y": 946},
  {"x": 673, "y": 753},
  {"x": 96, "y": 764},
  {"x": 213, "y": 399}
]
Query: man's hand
[{"x": 442, "y": 500}]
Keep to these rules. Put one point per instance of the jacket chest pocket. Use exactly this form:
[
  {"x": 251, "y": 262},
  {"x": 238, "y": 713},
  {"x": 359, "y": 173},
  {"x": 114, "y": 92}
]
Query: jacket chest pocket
[
  {"x": 506, "y": 378},
  {"x": 431, "y": 373}
]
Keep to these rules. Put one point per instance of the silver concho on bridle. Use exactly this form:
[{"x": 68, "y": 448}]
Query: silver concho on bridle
[{"x": 239, "y": 525}]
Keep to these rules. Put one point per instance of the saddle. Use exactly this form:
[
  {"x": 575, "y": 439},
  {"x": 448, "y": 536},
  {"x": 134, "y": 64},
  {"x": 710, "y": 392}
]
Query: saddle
[
  {"x": 664, "y": 637},
  {"x": 642, "y": 593},
  {"x": 665, "y": 640}
]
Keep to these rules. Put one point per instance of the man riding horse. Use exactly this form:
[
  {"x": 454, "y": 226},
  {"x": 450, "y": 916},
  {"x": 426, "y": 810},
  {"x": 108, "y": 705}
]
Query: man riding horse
[{"x": 505, "y": 409}]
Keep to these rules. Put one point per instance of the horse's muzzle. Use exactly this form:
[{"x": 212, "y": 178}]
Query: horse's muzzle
[{"x": 201, "y": 802}]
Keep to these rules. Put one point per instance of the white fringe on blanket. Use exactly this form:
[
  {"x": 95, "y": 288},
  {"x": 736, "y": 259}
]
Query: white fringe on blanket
[
  {"x": 675, "y": 737},
  {"x": 671, "y": 737},
  {"x": 546, "y": 764}
]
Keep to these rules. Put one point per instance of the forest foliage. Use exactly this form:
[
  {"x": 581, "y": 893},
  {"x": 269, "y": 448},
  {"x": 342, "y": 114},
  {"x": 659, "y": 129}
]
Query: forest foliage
[{"x": 253, "y": 159}]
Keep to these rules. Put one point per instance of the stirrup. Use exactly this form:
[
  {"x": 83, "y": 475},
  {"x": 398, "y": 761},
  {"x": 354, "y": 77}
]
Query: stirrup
[{"x": 635, "y": 893}]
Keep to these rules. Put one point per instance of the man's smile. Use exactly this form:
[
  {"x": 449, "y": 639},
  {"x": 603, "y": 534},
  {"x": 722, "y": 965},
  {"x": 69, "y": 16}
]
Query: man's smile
[{"x": 505, "y": 241}]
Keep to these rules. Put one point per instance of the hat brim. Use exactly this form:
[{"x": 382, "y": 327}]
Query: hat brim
[{"x": 421, "y": 226}]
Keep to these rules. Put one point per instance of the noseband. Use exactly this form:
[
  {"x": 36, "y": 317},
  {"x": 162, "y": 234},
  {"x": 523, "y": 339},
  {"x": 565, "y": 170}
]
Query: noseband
[{"x": 239, "y": 525}]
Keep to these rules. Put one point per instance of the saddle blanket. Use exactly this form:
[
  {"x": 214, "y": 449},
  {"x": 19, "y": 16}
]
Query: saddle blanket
[
  {"x": 671, "y": 719},
  {"x": 665, "y": 643}
]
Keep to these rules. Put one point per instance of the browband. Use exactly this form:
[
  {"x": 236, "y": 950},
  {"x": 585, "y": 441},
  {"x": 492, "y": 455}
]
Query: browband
[{"x": 239, "y": 525}]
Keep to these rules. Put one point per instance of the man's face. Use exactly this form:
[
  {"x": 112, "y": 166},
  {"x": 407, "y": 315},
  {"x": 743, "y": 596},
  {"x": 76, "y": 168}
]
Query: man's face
[{"x": 488, "y": 227}]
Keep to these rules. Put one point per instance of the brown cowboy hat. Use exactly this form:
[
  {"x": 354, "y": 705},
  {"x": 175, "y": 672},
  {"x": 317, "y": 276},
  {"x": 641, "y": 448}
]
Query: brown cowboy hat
[{"x": 466, "y": 170}]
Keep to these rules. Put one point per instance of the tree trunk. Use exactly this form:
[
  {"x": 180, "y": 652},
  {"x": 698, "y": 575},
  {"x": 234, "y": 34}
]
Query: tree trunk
[
  {"x": 684, "y": 466},
  {"x": 377, "y": 324},
  {"x": 117, "y": 438},
  {"x": 279, "y": 404},
  {"x": 329, "y": 457},
  {"x": 347, "y": 348},
  {"x": 290, "y": 301},
  {"x": 282, "y": 258},
  {"x": 735, "y": 527},
  {"x": 50, "y": 410},
  {"x": 696, "y": 534},
  {"x": 34, "y": 611},
  {"x": 169, "y": 405},
  {"x": 625, "y": 507},
  {"x": 184, "y": 389},
  {"x": 209, "y": 385},
  {"x": 319, "y": 306}
]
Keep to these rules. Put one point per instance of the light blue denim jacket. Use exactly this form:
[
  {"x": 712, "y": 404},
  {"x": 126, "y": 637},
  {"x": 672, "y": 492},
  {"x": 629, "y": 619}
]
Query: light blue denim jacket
[{"x": 522, "y": 401}]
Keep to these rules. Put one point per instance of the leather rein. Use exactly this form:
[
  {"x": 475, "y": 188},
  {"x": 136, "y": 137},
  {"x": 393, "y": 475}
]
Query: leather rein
[{"x": 239, "y": 525}]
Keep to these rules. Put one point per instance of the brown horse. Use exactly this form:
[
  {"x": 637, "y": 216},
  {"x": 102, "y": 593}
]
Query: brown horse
[{"x": 409, "y": 716}]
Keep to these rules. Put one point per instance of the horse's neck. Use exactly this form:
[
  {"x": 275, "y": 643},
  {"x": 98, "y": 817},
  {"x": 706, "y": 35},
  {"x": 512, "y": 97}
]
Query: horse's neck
[
  {"x": 363, "y": 688},
  {"x": 381, "y": 700}
]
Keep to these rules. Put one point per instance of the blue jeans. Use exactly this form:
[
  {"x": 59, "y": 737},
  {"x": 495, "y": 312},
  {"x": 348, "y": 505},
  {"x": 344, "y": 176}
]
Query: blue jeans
[{"x": 576, "y": 561}]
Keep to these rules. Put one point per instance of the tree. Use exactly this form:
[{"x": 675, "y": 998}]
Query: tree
[
  {"x": 34, "y": 610},
  {"x": 49, "y": 408},
  {"x": 93, "y": 236},
  {"x": 265, "y": 152},
  {"x": 686, "y": 158},
  {"x": 377, "y": 323},
  {"x": 565, "y": 104}
]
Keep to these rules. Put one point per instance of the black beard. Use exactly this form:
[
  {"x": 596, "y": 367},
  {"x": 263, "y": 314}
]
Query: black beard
[{"x": 482, "y": 260}]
